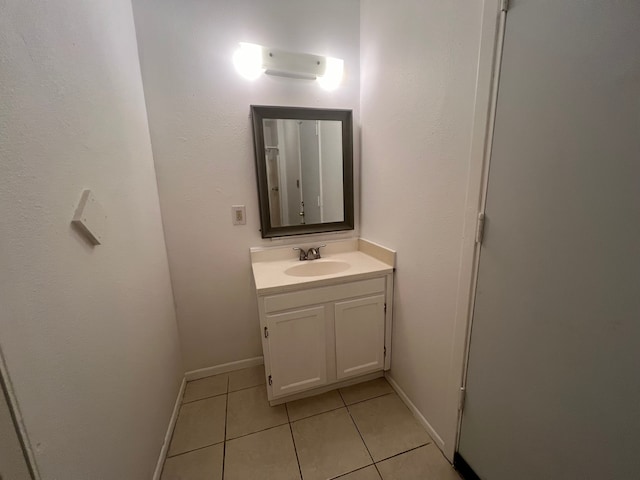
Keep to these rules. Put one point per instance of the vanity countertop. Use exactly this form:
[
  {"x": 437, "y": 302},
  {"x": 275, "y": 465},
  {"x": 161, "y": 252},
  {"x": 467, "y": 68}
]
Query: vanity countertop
[{"x": 356, "y": 259}]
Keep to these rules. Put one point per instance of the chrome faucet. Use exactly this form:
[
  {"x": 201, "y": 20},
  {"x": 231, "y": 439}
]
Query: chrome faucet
[{"x": 312, "y": 254}]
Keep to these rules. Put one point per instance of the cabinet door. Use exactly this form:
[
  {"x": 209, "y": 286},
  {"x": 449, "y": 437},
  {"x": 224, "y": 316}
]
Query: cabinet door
[
  {"x": 359, "y": 336},
  {"x": 297, "y": 350}
]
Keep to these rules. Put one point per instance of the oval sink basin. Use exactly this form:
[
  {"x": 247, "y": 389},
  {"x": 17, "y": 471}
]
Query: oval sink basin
[{"x": 316, "y": 268}]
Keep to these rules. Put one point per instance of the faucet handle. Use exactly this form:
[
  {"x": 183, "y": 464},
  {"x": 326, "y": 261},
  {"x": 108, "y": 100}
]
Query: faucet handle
[
  {"x": 315, "y": 251},
  {"x": 303, "y": 254}
]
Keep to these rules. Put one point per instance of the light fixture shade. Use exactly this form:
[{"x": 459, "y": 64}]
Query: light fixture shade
[
  {"x": 248, "y": 60},
  {"x": 292, "y": 64},
  {"x": 333, "y": 74},
  {"x": 252, "y": 60}
]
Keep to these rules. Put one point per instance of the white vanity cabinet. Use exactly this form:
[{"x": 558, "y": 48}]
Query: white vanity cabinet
[{"x": 325, "y": 337}]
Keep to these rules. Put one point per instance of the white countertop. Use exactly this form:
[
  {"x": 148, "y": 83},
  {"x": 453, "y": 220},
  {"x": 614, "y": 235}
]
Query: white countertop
[{"x": 269, "y": 265}]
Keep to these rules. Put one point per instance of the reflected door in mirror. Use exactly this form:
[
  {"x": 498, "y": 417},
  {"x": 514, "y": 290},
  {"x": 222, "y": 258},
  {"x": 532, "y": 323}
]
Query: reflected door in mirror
[{"x": 304, "y": 171}]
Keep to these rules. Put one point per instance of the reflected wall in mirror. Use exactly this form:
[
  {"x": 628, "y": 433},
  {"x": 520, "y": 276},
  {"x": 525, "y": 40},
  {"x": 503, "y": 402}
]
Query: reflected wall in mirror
[{"x": 304, "y": 164}]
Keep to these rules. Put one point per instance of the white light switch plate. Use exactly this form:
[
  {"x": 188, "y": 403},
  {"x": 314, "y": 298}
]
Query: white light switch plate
[
  {"x": 90, "y": 218},
  {"x": 239, "y": 215}
]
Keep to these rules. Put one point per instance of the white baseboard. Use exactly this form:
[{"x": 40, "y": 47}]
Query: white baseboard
[
  {"x": 167, "y": 436},
  {"x": 416, "y": 413},
  {"x": 224, "y": 368}
]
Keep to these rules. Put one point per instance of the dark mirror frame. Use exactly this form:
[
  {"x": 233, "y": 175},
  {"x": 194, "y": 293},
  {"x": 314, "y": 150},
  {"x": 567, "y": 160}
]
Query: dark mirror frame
[{"x": 261, "y": 112}]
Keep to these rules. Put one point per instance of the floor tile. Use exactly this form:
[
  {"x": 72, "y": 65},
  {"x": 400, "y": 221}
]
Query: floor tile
[
  {"x": 199, "y": 424},
  {"x": 314, "y": 405},
  {"x": 424, "y": 463},
  {"x": 203, "y": 464},
  {"x": 329, "y": 445},
  {"x": 387, "y": 426},
  {"x": 266, "y": 455},
  {"x": 205, "y": 387},
  {"x": 367, "y": 473},
  {"x": 247, "y": 377},
  {"x": 249, "y": 411},
  {"x": 365, "y": 391}
]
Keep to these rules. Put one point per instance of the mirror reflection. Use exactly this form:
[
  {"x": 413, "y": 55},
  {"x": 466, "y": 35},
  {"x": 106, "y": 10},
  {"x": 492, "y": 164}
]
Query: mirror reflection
[
  {"x": 304, "y": 165},
  {"x": 304, "y": 171}
]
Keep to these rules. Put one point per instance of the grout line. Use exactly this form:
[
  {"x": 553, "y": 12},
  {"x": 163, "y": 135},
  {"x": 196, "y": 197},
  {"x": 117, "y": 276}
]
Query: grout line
[
  {"x": 316, "y": 414},
  {"x": 371, "y": 398},
  {"x": 203, "y": 398},
  {"x": 336, "y": 390},
  {"x": 402, "y": 453},
  {"x": 352, "y": 471},
  {"x": 228, "y": 374},
  {"x": 247, "y": 388},
  {"x": 382, "y": 460},
  {"x": 290, "y": 423},
  {"x": 293, "y": 440},
  {"x": 337, "y": 408},
  {"x": 361, "y": 437},
  {"x": 195, "y": 449},
  {"x": 342, "y": 398},
  {"x": 257, "y": 431},
  {"x": 290, "y": 427},
  {"x": 224, "y": 445}
]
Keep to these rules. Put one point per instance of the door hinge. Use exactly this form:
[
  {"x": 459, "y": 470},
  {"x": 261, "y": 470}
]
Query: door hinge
[
  {"x": 270, "y": 380},
  {"x": 266, "y": 332},
  {"x": 385, "y": 308},
  {"x": 480, "y": 228},
  {"x": 504, "y": 5},
  {"x": 385, "y": 351},
  {"x": 463, "y": 395}
]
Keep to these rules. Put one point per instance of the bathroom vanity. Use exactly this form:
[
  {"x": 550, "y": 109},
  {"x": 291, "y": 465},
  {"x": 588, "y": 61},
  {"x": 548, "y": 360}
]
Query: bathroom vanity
[{"x": 325, "y": 323}]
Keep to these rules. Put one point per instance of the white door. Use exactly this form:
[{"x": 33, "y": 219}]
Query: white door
[
  {"x": 297, "y": 353},
  {"x": 359, "y": 336},
  {"x": 310, "y": 170},
  {"x": 553, "y": 388}
]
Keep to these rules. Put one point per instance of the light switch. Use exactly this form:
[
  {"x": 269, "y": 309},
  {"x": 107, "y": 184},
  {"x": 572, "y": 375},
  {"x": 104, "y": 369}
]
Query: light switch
[{"x": 238, "y": 214}]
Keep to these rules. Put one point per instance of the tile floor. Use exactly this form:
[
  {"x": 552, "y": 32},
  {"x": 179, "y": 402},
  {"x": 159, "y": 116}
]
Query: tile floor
[{"x": 227, "y": 430}]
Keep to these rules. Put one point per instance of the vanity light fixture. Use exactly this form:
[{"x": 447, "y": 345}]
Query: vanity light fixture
[{"x": 252, "y": 60}]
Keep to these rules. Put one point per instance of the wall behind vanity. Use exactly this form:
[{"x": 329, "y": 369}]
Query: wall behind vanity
[{"x": 198, "y": 109}]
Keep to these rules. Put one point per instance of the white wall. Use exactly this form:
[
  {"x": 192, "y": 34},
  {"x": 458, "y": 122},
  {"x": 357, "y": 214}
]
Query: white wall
[
  {"x": 202, "y": 141},
  {"x": 88, "y": 334},
  {"x": 418, "y": 70}
]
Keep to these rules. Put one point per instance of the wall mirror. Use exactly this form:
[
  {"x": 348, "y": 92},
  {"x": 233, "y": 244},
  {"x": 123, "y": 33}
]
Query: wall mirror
[{"x": 304, "y": 164}]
